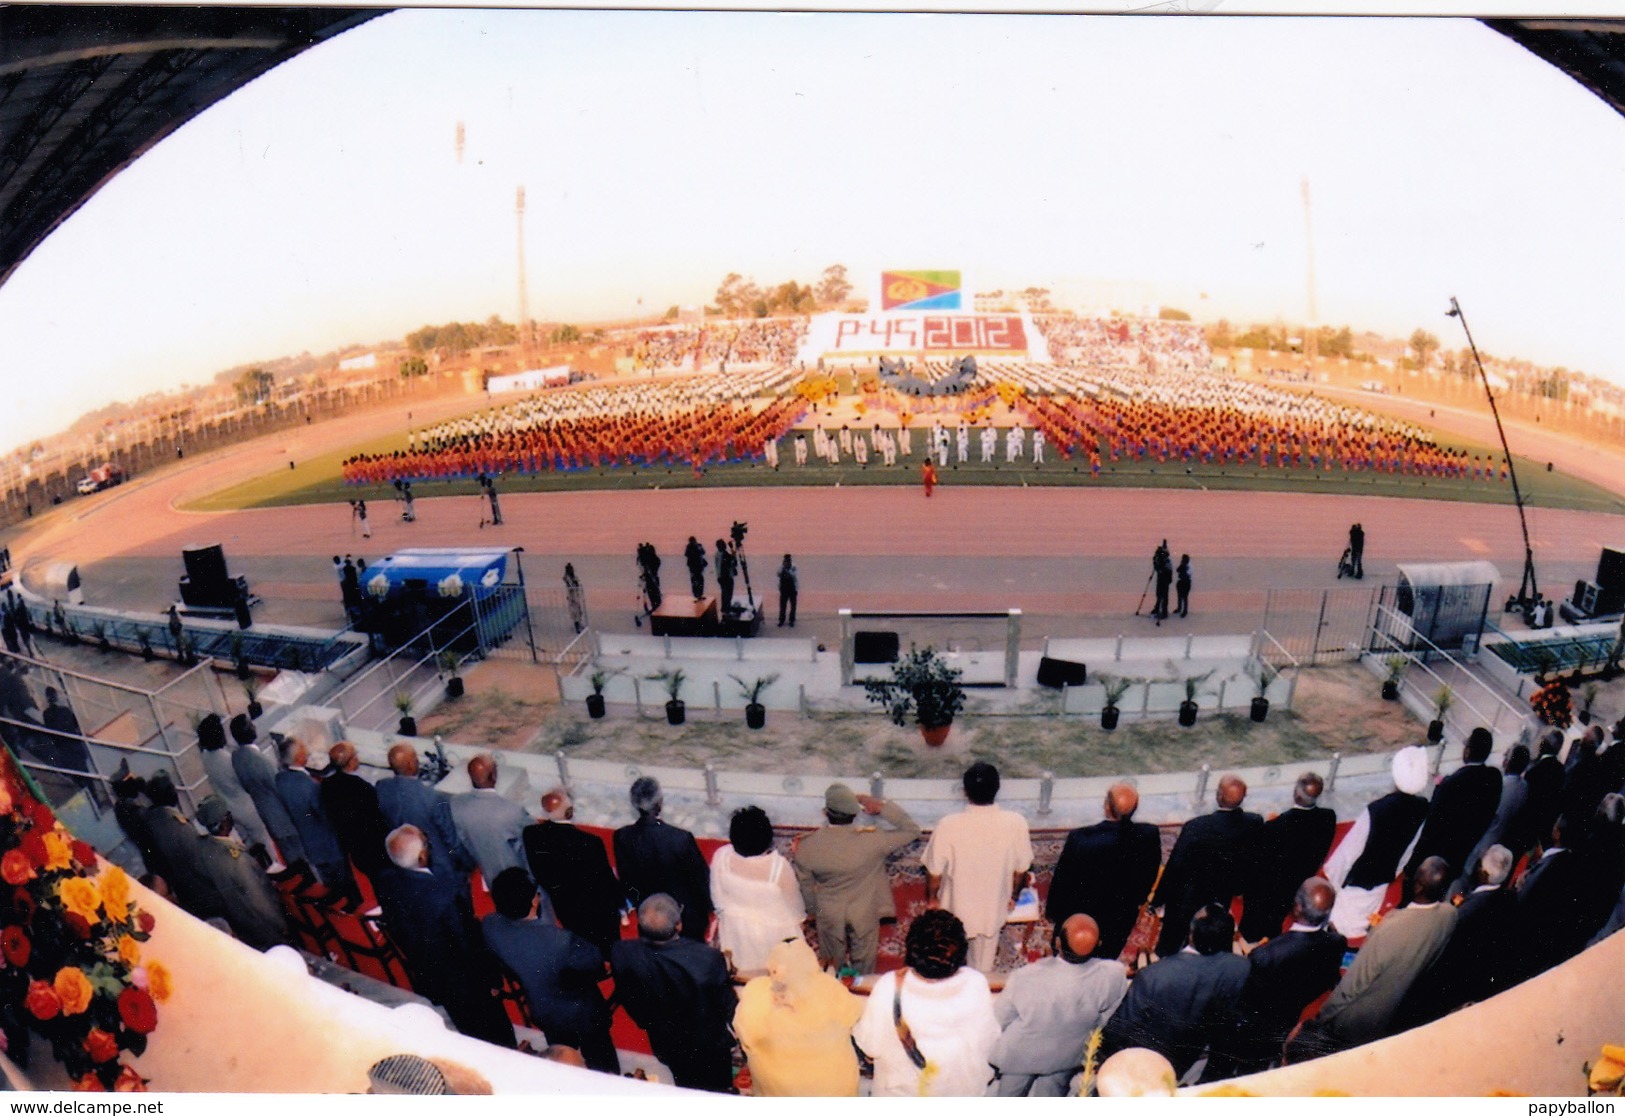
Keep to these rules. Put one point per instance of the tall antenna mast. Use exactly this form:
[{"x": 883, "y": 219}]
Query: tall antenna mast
[
  {"x": 1311, "y": 341},
  {"x": 524, "y": 295}
]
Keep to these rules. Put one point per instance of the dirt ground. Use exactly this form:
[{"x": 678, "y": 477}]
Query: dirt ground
[{"x": 1336, "y": 709}]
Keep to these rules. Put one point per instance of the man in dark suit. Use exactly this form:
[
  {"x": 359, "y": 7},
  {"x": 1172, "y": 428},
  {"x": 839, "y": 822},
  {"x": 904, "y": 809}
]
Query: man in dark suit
[
  {"x": 1208, "y": 864},
  {"x": 404, "y": 799},
  {"x": 432, "y": 921},
  {"x": 1555, "y": 905},
  {"x": 1474, "y": 964},
  {"x": 1106, "y": 871},
  {"x": 351, "y": 806},
  {"x": 558, "y": 970},
  {"x": 573, "y": 868},
  {"x": 301, "y": 792},
  {"x": 678, "y": 990},
  {"x": 1182, "y": 1003},
  {"x": 1583, "y": 783},
  {"x": 1290, "y": 848},
  {"x": 1462, "y": 808},
  {"x": 654, "y": 858},
  {"x": 1284, "y": 976},
  {"x": 1544, "y": 800}
]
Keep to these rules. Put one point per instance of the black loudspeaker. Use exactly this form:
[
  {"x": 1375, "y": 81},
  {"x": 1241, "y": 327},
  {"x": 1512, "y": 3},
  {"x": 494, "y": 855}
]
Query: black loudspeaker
[
  {"x": 1610, "y": 582},
  {"x": 205, "y": 565},
  {"x": 874, "y": 647},
  {"x": 1056, "y": 673}
]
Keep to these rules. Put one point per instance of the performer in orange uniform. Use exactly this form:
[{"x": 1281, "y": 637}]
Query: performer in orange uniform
[{"x": 928, "y": 476}]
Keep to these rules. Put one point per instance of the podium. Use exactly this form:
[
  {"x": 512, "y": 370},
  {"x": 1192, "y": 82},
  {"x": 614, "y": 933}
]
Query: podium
[{"x": 684, "y": 616}]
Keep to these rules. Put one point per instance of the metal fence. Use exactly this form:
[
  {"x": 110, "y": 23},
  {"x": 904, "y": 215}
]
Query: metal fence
[
  {"x": 551, "y": 629},
  {"x": 1321, "y": 625}
]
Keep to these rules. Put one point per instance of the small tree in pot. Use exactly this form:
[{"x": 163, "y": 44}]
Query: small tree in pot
[
  {"x": 449, "y": 666},
  {"x": 409, "y": 724},
  {"x": 1588, "y": 694},
  {"x": 251, "y": 687},
  {"x": 1442, "y": 701},
  {"x": 755, "y": 711},
  {"x": 99, "y": 628},
  {"x": 1396, "y": 665},
  {"x": 145, "y": 642},
  {"x": 239, "y": 654},
  {"x": 1263, "y": 674},
  {"x": 1115, "y": 688},
  {"x": 676, "y": 711},
  {"x": 923, "y": 685},
  {"x": 598, "y": 679},
  {"x": 1187, "y": 708}
]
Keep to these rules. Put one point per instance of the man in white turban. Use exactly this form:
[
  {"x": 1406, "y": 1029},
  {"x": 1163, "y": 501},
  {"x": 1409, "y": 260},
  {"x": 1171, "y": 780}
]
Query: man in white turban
[{"x": 1371, "y": 855}]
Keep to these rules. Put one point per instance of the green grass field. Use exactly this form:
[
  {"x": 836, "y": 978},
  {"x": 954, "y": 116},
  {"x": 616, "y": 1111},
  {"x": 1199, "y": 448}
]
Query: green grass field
[{"x": 317, "y": 481}]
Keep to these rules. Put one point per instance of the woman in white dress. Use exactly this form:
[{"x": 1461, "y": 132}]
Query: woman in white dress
[
  {"x": 216, "y": 755},
  {"x": 754, "y": 891}
]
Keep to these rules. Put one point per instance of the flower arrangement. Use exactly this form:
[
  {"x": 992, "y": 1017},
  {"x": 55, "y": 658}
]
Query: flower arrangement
[
  {"x": 70, "y": 948},
  {"x": 1551, "y": 704}
]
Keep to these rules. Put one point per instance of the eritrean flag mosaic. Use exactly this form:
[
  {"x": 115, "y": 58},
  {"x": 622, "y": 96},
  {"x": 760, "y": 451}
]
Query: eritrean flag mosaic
[{"x": 920, "y": 290}]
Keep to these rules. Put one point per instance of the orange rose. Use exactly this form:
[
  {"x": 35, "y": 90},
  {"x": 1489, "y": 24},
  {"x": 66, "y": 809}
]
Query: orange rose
[
  {"x": 102, "y": 1046},
  {"x": 58, "y": 853},
  {"x": 159, "y": 983},
  {"x": 80, "y": 896},
  {"x": 73, "y": 988},
  {"x": 41, "y": 1001},
  {"x": 129, "y": 1082},
  {"x": 129, "y": 950},
  {"x": 89, "y": 1083},
  {"x": 14, "y": 868},
  {"x": 115, "y": 888}
]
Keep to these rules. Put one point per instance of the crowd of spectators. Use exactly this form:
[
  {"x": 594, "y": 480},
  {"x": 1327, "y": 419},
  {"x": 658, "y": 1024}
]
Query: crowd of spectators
[
  {"x": 1481, "y": 880},
  {"x": 716, "y": 345},
  {"x": 1149, "y": 344}
]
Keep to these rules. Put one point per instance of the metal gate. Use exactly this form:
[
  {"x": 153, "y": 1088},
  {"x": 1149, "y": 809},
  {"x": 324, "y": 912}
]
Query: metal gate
[
  {"x": 549, "y": 623},
  {"x": 1321, "y": 625}
]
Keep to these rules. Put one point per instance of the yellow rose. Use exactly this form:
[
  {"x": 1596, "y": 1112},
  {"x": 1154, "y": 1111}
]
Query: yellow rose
[
  {"x": 158, "y": 981},
  {"x": 73, "y": 989},
  {"x": 80, "y": 896},
  {"x": 115, "y": 886},
  {"x": 58, "y": 853},
  {"x": 129, "y": 950}
]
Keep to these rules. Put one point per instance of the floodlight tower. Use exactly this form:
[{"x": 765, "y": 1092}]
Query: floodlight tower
[
  {"x": 1311, "y": 339},
  {"x": 524, "y": 295}
]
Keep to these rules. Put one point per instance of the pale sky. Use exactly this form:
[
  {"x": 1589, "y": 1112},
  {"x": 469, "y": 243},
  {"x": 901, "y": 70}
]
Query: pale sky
[{"x": 324, "y": 203}]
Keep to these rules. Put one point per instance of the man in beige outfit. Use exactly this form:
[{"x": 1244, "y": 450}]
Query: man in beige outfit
[
  {"x": 842, "y": 871},
  {"x": 976, "y": 863}
]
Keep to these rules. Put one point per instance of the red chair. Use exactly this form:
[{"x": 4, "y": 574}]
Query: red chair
[{"x": 364, "y": 946}]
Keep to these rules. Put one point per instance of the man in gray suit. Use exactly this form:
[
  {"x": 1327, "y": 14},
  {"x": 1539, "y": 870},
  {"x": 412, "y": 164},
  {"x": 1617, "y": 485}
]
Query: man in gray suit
[
  {"x": 1049, "y": 1009},
  {"x": 488, "y": 825},
  {"x": 842, "y": 870}
]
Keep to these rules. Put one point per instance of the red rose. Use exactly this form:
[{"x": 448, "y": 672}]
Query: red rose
[
  {"x": 77, "y": 923},
  {"x": 22, "y": 899},
  {"x": 32, "y": 847},
  {"x": 15, "y": 945},
  {"x": 101, "y": 1045},
  {"x": 14, "y": 867},
  {"x": 144, "y": 922},
  {"x": 84, "y": 854},
  {"x": 89, "y": 1083},
  {"x": 42, "y": 815},
  {"x": 41, "y": 1001},
  {"x": 136, "y": 1008},
  {"x": 129, "y": 1082}
]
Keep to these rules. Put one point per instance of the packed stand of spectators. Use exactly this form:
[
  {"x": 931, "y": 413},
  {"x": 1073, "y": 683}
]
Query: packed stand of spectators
[
  {"x": 715, "y": 345},
  {"x": 697, "y": 420},
  {"x": 1446, "y": 891},
  {"x": 1106, "y": 343}
]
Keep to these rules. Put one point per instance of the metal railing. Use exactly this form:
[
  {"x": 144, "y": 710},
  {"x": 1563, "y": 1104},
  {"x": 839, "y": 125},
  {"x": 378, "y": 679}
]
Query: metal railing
[
  {"x": 411, "y": 670},
  {"x": 1490, "y": 709}
]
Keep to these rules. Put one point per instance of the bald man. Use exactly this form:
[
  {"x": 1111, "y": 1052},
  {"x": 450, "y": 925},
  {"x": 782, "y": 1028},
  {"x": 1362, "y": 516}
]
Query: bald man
[
  {"x": 406, "y": 799},
  {"x": 488, "y": 825},
  {"x": 1048, "y": 1010},
  {"x": 1285, "y": 975},
  {"x": 572, "y": 867},
  {"x": 351, "y": 806},
  {"x": 1209, "y": 863},
  {"x": 1106, "y": 871}
]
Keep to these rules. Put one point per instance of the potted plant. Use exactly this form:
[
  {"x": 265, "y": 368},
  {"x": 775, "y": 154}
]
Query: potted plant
[
  {"x": 251, "y": 687},
  {"x": 145, "y": 643},
  {"x": 1442, "y": 701},
  {"x": 595, "y": 700},
  {"x": 187, "y": 650},
  {"x": 1396, "y": 665},
  {"x": 755, "y": 711},
  {"x": 99, "y": 629},
  {"x": 1187, "y": 708},
  {"x": 449, "y": 666},
  {"x": 1263, "y": 674},
  {"x": 1588, "y": 694},
  {"x": 239, "y": 654},
  {"x": 409, "y": 724},
  {"x": 924, "y": 685},
  {"x": 676, "y": 711},
  {"x": 1115, "y": 687}
]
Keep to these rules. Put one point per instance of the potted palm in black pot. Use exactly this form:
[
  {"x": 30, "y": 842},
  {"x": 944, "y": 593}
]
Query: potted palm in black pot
[
  {"x": 449, "y": 666},
  {"x": 1442, "y": 701},
  {"x": 755, "y": 711},
  {"x": 1115, "y": 687},
  {"x": 1263, "y": 674},
  {"x": 1396, "y": 666},
  {"x": 409, "y": 723},
  {"x": 598, "y": 679},
  {"x": 251, "y": 688},
  {"x": 1187, "y": 708},
  {"x": 672, "y": 680}
]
